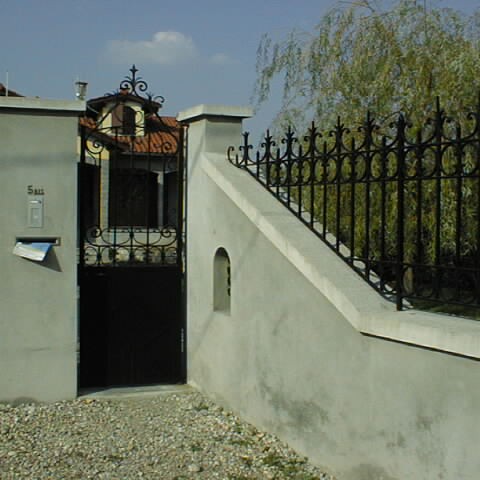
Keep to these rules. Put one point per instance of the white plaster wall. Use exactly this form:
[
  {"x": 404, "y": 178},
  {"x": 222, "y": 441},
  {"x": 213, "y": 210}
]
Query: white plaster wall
[
  {"x": 288, "y": 359},
  {"x": 38, "y": 300}
]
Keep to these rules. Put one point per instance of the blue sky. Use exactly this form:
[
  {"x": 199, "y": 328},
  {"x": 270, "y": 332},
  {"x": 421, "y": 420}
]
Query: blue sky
[{"x": 189, "y": 51}]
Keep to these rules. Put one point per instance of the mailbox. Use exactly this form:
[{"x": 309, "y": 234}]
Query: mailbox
[{"x": 34, "y": 248}]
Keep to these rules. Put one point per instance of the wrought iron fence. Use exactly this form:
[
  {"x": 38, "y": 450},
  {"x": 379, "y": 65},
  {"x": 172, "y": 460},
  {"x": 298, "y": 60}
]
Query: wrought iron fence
[{"x": 401, "y": 205}]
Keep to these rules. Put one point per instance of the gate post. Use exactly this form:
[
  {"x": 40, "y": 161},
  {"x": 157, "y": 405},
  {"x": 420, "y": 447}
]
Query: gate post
[
  {"x": 211, "y": 130},
  {"x": 38, "y": 298}
]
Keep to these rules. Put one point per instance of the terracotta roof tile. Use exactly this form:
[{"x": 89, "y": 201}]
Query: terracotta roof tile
[
  {"x": 11, "y": 93},
  {"x": 164, "y": 140}
]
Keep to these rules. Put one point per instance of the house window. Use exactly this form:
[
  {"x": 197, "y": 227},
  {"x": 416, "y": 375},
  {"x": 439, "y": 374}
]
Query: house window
[
  {"x": 133, "y": 198},
  {"x": 222, "y": 293},
  {"x": 123, "y": 120},
  {"x": 128, "y": 124}
]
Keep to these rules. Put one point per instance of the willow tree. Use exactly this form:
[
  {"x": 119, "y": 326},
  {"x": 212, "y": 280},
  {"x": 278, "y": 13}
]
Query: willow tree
[{"x": 362, "y": 59}]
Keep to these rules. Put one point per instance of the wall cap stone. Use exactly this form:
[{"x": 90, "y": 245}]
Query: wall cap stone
[
  {"x": 32, "y": 103},
  {"x": 209, "y": 110}
]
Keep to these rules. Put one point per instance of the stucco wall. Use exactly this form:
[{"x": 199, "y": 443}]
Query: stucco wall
[
  {"x": 38, "y": 300},
  {"x": 288, "y": 359}
]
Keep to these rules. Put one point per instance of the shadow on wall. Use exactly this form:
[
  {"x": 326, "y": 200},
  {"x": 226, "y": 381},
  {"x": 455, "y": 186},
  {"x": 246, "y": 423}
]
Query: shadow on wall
[{"x": 51, "y": 262}]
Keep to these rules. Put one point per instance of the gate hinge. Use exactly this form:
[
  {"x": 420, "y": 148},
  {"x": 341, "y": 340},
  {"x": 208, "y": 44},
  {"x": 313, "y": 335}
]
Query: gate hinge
[{"x": 182, "y": 340}]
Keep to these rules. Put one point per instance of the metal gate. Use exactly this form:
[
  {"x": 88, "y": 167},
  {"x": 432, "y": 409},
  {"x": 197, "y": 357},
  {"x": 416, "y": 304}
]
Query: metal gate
[{"x": 131, "y": 326}]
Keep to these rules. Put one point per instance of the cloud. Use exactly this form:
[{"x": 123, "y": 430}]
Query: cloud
[{"x": 165, "y": 48}]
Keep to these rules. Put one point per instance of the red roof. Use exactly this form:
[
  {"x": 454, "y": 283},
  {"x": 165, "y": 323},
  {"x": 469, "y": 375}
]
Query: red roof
[
  {"x": 163, "y": 139},
  {"x": 11, "y": 93},
  {"x": 125, "y": 94}
]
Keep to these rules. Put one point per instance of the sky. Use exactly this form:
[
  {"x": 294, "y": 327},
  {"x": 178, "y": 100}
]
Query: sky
[{"x": 189, "y": 51}]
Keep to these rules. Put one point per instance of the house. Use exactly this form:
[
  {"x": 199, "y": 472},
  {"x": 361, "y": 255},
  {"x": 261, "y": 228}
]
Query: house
[{"x": 130, "y": 158}]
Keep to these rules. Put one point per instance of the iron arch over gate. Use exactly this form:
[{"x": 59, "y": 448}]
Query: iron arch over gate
[{"x": 131, "y": 240}]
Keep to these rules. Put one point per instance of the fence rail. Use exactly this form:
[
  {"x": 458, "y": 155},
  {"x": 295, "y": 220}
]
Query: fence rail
[{"x": 401, "y": 205}]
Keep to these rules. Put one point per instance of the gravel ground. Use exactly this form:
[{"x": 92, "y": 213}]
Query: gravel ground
[{"x": 171, "y": 436}]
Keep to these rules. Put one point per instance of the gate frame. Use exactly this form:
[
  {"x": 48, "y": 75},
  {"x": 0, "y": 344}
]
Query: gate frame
[{"x": 171, "y": 256}]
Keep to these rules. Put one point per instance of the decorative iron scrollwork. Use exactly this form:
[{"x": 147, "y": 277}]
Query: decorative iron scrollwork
[
  {"x": 135, "y": 85},
  {"x": 131, "y": 246},
  {"x": 131, "y": 174}
]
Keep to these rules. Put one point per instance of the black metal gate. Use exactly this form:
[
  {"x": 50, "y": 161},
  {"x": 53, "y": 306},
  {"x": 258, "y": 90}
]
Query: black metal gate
[{"x": 131, "y": 314}]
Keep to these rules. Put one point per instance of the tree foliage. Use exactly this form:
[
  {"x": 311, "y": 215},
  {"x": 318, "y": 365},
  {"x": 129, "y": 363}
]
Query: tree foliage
[{"x": 363, "y": 58}]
